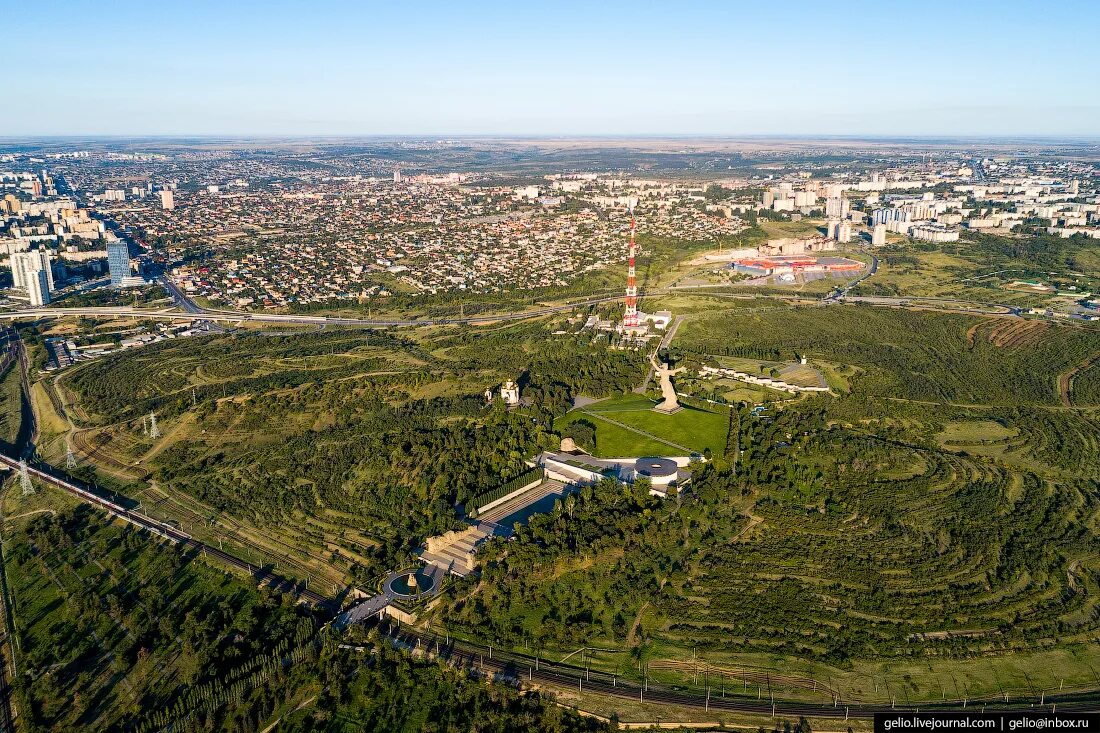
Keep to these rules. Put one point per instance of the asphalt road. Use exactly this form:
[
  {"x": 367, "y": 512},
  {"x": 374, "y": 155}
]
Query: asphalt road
[
  {"x": 226, "y": 316},
  {"x": 179, "y": 297},
  {"x": 220, "y": 316}
]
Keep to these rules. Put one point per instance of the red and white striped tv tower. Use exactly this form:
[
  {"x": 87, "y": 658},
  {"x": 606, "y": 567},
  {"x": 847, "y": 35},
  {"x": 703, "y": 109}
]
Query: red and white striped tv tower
[{"x": 630, "y": 314}]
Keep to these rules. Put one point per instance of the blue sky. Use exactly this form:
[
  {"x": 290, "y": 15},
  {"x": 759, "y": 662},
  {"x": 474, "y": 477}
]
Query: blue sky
[{"x": 423, "y": 68}]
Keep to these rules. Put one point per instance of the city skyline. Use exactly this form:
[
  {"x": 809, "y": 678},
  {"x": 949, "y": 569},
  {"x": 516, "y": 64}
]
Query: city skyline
[{"x": 702, "y": 69}]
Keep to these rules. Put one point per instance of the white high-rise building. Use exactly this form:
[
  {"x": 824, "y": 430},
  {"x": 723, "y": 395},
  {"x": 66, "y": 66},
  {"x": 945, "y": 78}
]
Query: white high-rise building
[
  {"x": 890, "y": 216},
  {"x": 836, "y": 207},
  {"x": 18, "y": 269},
  {"x": 38, "y": 290},
  {"x": 805, "y": 198},
  {"x": 167, "y": 201},
  {"x": 878, "y": 235},
  {"x": 934, "y": 233},
  {"x": 843, "y": 232},
  {"x": 840, "y": 230},
  {"x": 31, "y": 271},
  {"x": 23, "y": 264}
]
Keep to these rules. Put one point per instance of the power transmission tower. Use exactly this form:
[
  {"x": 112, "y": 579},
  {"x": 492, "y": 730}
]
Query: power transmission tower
[
  {"x": 25, "y": 479},
  {"x": 154, "y": 431},
  {"x": 144, "y": 424},
  {"x": 70, "y": 458}
]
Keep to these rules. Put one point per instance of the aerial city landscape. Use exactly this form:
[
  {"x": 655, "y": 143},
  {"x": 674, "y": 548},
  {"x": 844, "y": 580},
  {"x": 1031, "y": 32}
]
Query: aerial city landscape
[{"x": 342, "y": 395}]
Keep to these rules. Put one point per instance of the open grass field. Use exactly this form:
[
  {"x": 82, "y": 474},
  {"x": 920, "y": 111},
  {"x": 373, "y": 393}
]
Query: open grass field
[
  {"x": 781, "y": 229},
  {"x": 983, "y": 268},
  {"x": 976, "y": 432},
  {"x": 734, "y": 391},
  {"x": 692, "y": 428}
]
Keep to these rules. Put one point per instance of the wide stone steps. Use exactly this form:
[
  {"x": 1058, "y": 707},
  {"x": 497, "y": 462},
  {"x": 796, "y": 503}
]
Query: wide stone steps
[
  {"x": 453, "y": 552},
  {"x": 456, "y": 555}
]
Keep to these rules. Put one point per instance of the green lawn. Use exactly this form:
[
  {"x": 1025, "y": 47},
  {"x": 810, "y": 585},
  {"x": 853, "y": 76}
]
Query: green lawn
[
  {"x": 959, "y": 432},
  {"x": 734, "y": 391},
  {"x": 693, "y": 428}
]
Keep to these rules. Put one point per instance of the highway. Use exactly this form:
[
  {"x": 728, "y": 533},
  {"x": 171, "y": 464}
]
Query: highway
[
  {"x": 520, "y": 668},
  {"x": 219, "y": 316},
  {"x": 959, "y": 306},
  {"x": 188, "y": 310},
  {"x": 168, "y": 532},
  {"x": 195, "y": 313}
]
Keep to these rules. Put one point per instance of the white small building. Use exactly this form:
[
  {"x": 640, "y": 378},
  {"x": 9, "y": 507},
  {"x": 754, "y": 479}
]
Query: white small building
[
  {"x": 660, "y": 319},
  {"x": 509, "y": 392}
]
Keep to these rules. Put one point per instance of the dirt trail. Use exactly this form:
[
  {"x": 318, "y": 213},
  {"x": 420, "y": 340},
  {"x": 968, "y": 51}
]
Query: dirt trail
[
  {"x": 280, "y": 718},
  {"x": 971, "y": 331},
  {"x": 753, "y": 522},
  {"x": 1065, "y": 381},
  {"x": 633, "y": 635}
]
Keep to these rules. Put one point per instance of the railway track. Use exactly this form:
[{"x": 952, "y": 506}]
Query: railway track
[
  {"x": 168, "y": 532},
  {"x": 520, "y": 669}
]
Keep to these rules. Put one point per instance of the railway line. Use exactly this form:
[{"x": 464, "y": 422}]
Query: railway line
[
  {"x": 521, "y": 669},
  {"x": 168, "y": 532}
]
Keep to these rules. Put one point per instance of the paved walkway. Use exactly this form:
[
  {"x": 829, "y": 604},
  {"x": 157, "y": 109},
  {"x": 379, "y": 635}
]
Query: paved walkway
[
  {"x": 376, "y": 604},
  {"x": 452, "y": 557},
  {"x": 665, "y": 341}
]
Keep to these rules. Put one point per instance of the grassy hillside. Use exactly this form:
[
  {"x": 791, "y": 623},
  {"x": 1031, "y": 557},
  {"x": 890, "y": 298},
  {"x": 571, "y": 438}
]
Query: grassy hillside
[
  {"x": 334, "y": 453},
  {"x": 928, "y": 530}
]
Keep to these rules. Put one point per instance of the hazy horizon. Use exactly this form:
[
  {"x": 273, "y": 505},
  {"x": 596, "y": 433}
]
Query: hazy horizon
[{"x": 700, "y": 69}]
